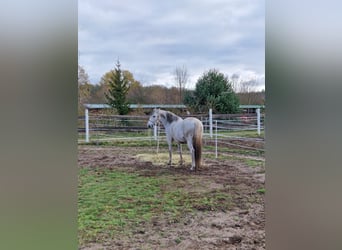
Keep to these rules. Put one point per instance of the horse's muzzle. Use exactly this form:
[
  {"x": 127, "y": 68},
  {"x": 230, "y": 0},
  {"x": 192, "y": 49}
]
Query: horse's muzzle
[{"x": 150, "y": 125}]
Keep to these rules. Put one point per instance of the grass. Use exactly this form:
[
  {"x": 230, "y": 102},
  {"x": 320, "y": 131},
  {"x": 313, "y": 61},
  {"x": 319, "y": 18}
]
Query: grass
[
  {"x": 113, "y": 202},
  {"x": 119, "y": 134},
  {"x": 163, "y": 146},
  {"x": 162, "y": 158},
  {"x": 261, "y": 191},
  {"x": 229, "y": 149},
  {"x": 149, "y": 133},
  {"x": 254, "y": 163},
  {"x": 243, "y": 133},
  {"x": 249, "y": 162}
]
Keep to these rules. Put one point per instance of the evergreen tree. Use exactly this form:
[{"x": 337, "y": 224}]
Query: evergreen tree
[
  {"x": 213, "y": 90},
  {"x": 118, "y": 87}
]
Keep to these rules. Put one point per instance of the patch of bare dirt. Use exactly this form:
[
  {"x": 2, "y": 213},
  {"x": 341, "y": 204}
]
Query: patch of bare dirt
[{"x": 240, "y": 227}]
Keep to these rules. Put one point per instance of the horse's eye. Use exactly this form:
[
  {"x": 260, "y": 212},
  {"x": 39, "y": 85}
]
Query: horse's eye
[{"x": 154, "y": 116}]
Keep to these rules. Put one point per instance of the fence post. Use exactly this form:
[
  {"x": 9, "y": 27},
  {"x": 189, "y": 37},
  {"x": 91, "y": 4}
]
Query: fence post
[
  {"x": 86, "y": 125},
  {"x": 216, "y": 141},
  {"x": 211, "y": 123},
  {"x": 155, "y": 131},
  {"x": 258, "y": 119}
]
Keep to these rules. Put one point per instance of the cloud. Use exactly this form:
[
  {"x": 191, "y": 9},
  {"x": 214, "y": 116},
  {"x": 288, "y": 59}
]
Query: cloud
[{"x": 151, "y": 38}]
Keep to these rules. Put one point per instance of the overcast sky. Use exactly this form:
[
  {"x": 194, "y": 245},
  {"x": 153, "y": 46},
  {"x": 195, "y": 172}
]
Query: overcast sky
[{"x": 153, "y": 37}]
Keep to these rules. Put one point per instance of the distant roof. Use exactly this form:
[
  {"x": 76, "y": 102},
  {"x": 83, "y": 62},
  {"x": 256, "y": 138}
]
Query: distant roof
[
  {"x": 135, "y": 106},
  {"x": 150, "y": 106},
  {"x": 251, "y": 106}
]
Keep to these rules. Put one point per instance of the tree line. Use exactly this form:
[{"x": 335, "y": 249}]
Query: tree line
[{"x": 213, "y": 89}]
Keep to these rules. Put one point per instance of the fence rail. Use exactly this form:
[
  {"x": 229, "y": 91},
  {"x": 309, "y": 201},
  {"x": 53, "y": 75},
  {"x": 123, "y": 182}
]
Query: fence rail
[
  {"x": 95, "y": 126},
  {"x": 219, "y": 129}
]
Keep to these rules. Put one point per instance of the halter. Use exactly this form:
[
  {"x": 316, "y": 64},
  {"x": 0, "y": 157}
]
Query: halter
[{"x": 156, "y": 122}]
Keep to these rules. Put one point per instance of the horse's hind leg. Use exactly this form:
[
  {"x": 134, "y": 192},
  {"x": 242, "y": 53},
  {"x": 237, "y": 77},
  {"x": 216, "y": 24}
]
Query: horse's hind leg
[
  {"x": 192, "y": 152},
  {"x": 181, "y": 162},
  {"x": 170, "y": 153}
]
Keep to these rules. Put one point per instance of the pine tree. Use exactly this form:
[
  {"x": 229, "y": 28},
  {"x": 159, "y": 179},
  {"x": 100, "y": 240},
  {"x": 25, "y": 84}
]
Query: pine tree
[
  {"x": 213, "y": 90},
  {"x": 118, "y": 87}
]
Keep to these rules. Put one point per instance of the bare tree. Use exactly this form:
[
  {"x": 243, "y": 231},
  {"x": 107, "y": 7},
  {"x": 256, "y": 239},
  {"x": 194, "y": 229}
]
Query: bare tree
[
  {"x": 181, "y": 78},
  {"x": 248, "y": 86},
  {"x": 235, "y": 82},
  {"x": 83, "y": 88},
  {"x": 248, "y": 92}
]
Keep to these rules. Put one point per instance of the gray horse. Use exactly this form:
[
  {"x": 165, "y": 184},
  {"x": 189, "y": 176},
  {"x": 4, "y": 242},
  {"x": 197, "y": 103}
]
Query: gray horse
[{"x": 188, "y": 130}]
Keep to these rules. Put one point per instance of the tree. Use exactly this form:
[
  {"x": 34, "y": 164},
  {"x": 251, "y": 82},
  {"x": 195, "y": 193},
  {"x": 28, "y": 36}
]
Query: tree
[
  {"x": 97, "y": 93},
  {"x": 235, "y": 82},
  {"x": 118, "y": 87},
  {"x": 181, "y": 77},
  {"x": 248, "y": 92},
  {"x": 84, "y": 88},
  {"x": 136, "y": 93},
  {"x": 213, "y": 90},
  {"x": 190, "y": 100}
]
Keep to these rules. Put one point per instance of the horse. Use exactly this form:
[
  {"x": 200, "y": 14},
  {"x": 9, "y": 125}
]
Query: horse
[{"x": 188, "y": 130}]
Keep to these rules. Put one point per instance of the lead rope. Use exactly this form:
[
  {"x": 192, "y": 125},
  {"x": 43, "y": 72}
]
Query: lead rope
[{"x": 158, "y": 135}]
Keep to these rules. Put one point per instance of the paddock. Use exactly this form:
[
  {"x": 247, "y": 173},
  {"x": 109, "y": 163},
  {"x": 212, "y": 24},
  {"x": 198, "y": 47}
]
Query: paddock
[{"x": 129, "y": 198}]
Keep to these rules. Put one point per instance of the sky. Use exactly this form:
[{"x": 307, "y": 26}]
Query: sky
[{"x": 151, "y": 38}]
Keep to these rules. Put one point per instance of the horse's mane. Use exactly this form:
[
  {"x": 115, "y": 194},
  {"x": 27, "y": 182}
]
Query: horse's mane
[{"x": 169, "y": 116}]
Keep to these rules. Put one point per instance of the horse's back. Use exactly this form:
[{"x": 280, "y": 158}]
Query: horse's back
[
  {"x": 192, "y": 120},
  {"x": 191, "y": 123},
  {"x": 185, "y": 129}
]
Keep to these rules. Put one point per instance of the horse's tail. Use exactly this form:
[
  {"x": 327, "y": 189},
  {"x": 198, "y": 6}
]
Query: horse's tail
[{"x": 197, "y": 143}]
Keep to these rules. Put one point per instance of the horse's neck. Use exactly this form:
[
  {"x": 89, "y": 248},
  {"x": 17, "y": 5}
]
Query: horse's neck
[{"x": 167, "y": 118}]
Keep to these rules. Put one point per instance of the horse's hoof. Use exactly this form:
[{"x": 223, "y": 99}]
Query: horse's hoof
[{"x": 192, "y": 169}]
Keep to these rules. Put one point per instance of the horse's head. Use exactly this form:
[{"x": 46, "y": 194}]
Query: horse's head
[{"x": 154, "y": 118}]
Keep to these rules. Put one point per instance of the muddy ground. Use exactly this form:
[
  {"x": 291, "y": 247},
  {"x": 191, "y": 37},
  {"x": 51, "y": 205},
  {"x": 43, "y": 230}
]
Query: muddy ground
[{"x": 241, "y": 227}]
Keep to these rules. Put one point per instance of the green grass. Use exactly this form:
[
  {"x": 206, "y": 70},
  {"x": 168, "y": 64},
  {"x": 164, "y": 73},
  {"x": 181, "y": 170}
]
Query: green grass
[
  {"x": 243, "y": 133},
  {"x": 149, "y": 133},
  {"x": 133, "y": 142},
  {"x": 241, "y": 151},
  {"x": 119, "y": 134},
  {"x": 261, "y": 191},
  {"x": 249, "y": 162},
  {"x": 254, "y": 163},
  {"x": 163, "y": 146},
  {"x": 112, "y": 202}
]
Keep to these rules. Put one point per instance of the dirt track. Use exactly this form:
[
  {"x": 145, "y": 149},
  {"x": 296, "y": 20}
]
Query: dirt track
[{"x": 241, "y": 227}]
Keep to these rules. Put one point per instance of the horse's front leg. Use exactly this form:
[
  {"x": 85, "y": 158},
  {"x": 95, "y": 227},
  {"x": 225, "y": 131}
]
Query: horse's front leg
[{"x": 181, "y": 162}]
